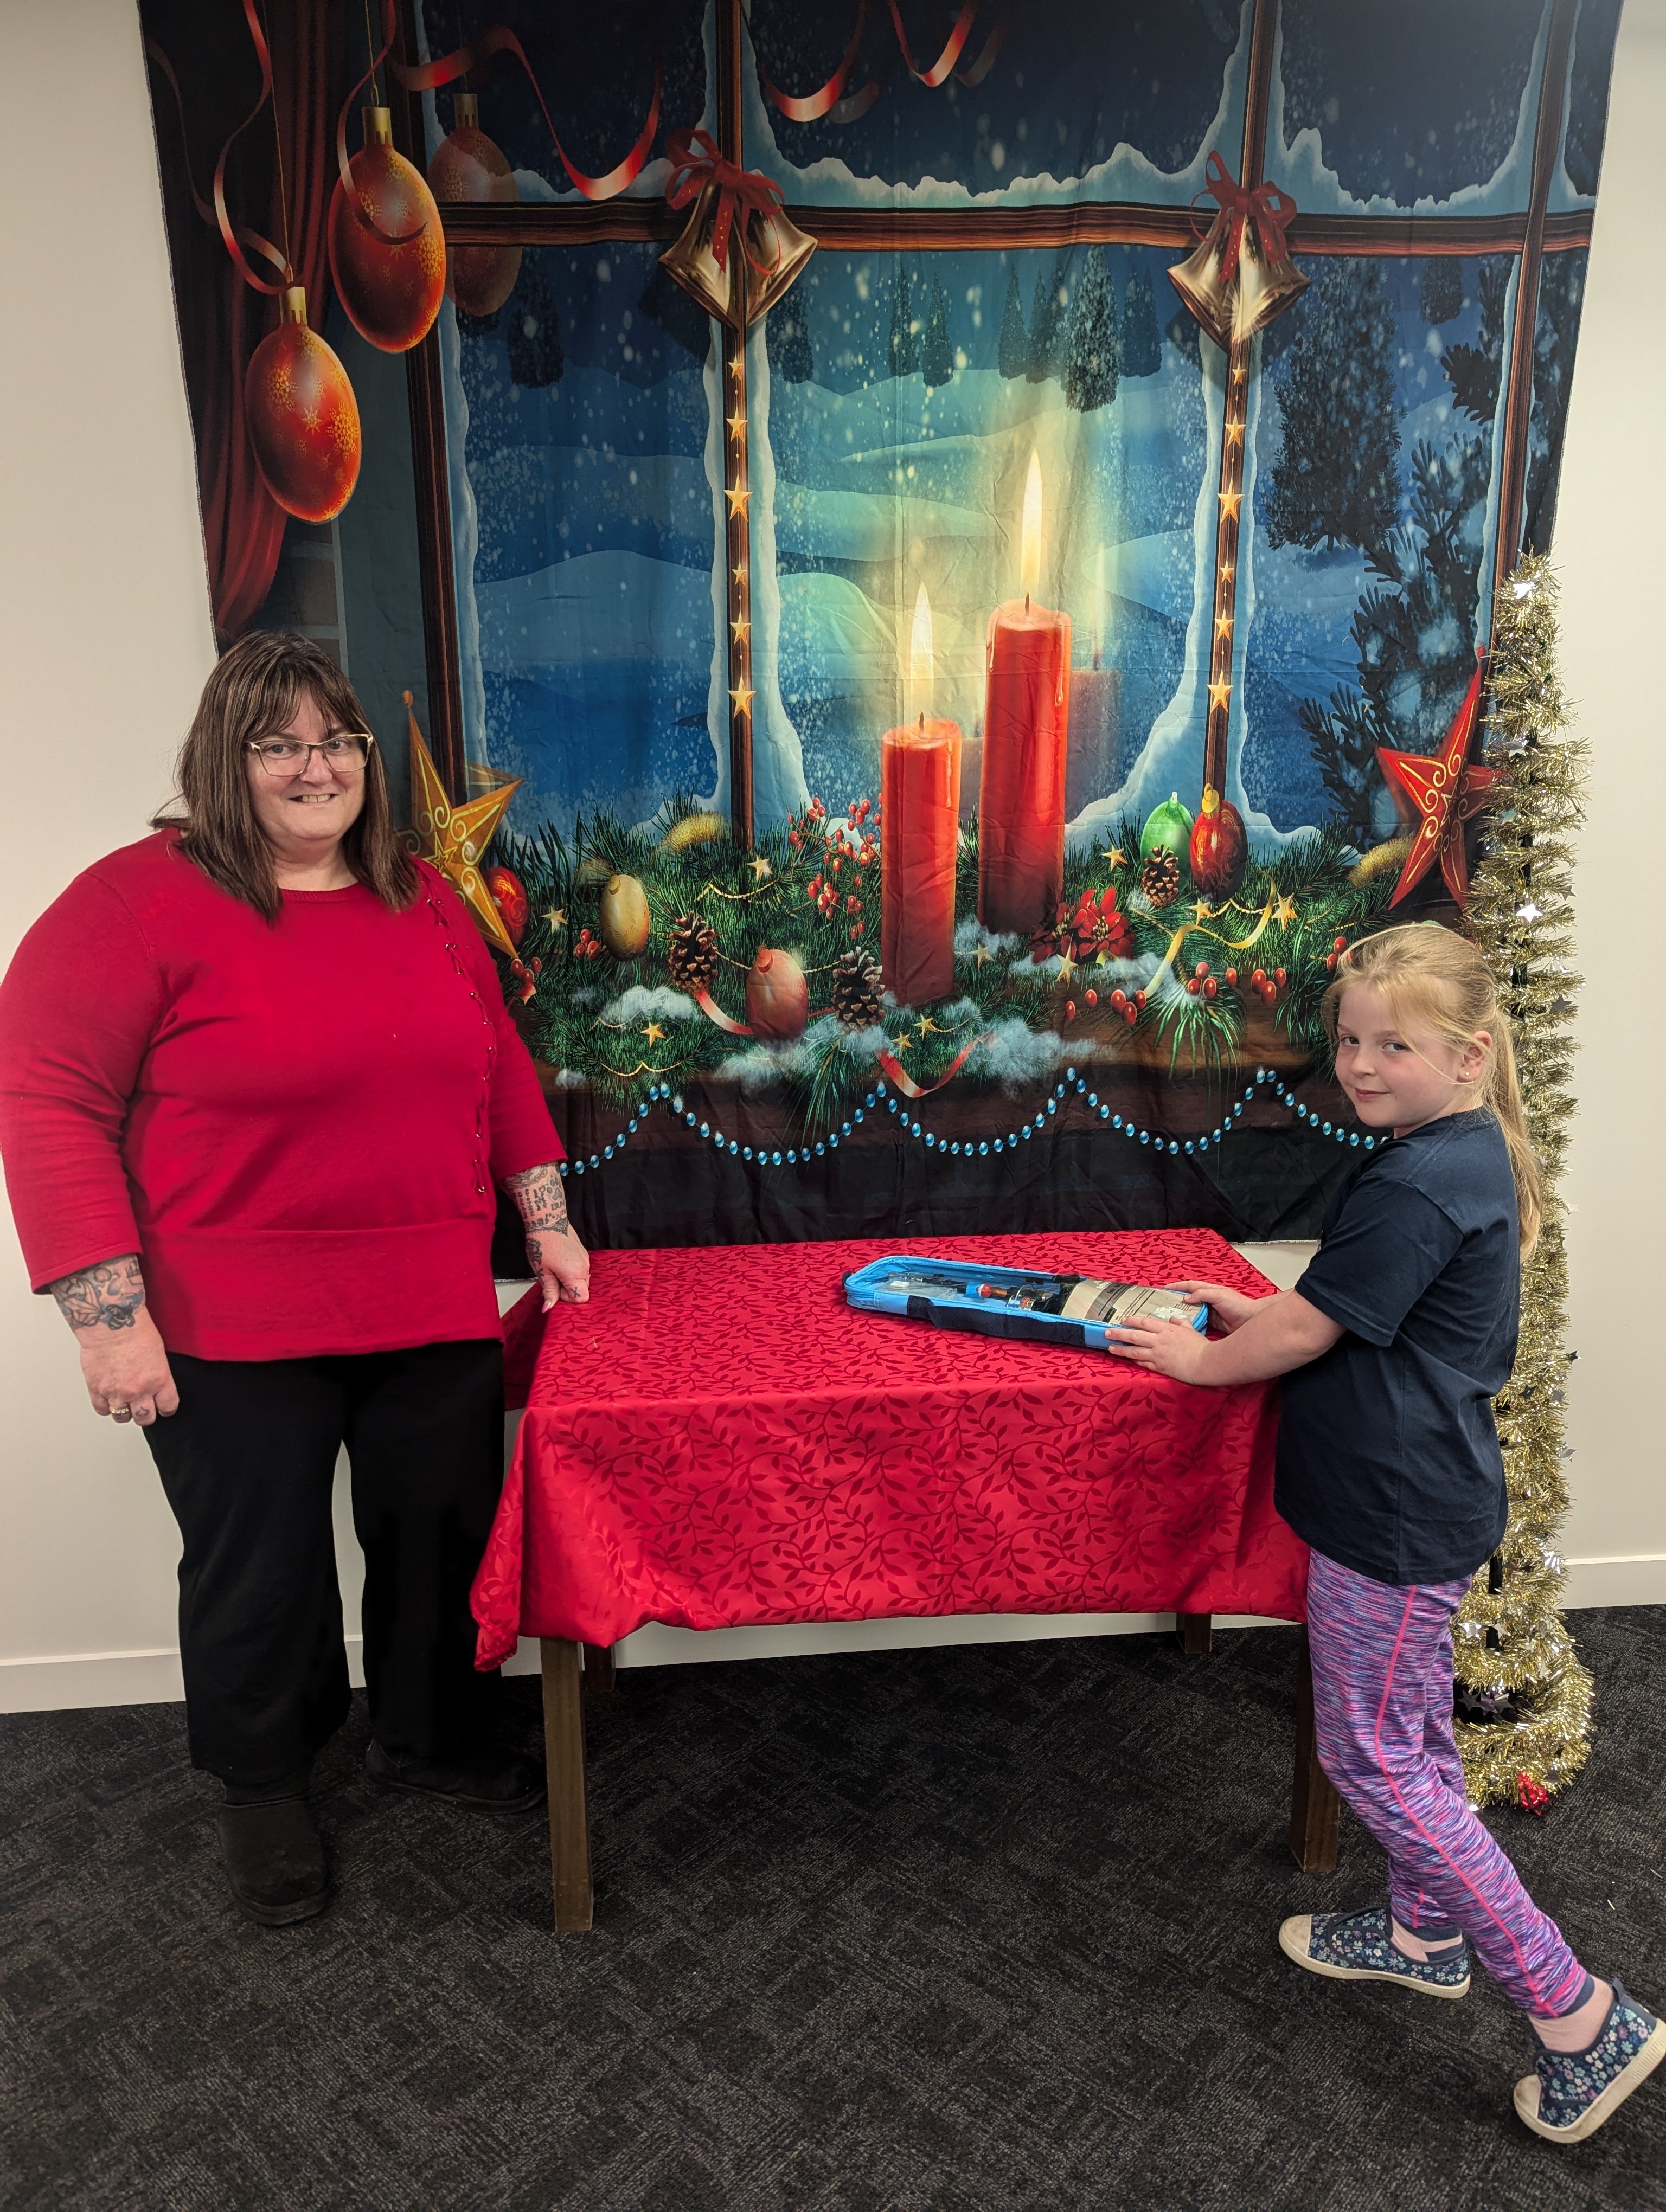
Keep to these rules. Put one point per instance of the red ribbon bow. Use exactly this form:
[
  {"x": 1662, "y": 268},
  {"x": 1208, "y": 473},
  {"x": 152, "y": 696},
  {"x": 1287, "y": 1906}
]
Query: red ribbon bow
[
  {"x": 696, "y": 162},
  {"x": 1267, "y": 207}
]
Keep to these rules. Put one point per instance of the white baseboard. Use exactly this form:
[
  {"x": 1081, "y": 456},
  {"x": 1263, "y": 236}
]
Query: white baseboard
[{"x": 63, "y": 1681}]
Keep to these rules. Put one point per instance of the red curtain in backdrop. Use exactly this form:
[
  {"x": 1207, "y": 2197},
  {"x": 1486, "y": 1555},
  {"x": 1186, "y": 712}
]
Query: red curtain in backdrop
[{"x": 222, "y": 320}]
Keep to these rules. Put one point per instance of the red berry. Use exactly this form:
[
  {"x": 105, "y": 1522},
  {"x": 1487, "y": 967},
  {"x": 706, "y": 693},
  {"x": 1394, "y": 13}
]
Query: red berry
[
  {"x": 1070, "y": 1010},
  {"x": 857, "y": 931},
  {"x": 1281, "y": 977},
  {"x": 1202, "y": 970},
  {"x": 1269, "y": 992},
  {"x": 1139, "y": 999},
  {"x": 1192, "y": 985},
  {"x": 1210, "y": 986},
  {"x": 1119, "y": 1000},
  {"x": 1231, "y": 975},
  {"x": 1130, "y": 1015},
  {"x": 1342, "y": 945},
  {"x": 1331, "y": 963},
  {"x": 1259, "y": 977},
  {"x": 1092, "y": 998}
]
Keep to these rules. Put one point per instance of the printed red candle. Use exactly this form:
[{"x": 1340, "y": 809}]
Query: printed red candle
[
  {"x": 920, "y": 807},
  {"x": 1027, "y": 735},
  {"x": 920, "y": 800}
]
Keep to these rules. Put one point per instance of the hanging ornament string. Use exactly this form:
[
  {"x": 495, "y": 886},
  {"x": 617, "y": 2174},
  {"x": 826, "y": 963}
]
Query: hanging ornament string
[
  {"x": 354, "y": 198},
  {"x": 236, "y": 236},
  {"x": 430, "y": 76},
  {"x": 824, "y": 101},
  {"x": 697, "y": 162},
  {"x": 1267, "y": 207}
]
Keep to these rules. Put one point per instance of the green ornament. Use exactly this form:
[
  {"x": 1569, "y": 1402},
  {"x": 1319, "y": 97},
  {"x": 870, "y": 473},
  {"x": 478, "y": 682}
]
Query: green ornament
[{"x": 1169, "y": 825}]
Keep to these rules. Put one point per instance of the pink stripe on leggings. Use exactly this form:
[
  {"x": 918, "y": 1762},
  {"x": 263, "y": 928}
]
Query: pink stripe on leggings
[{"x": 1382, "y": 1712}]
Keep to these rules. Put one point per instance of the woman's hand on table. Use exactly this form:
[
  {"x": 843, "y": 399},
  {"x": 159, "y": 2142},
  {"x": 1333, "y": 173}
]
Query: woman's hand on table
[
  {"x": 123, "y": 1362},
  {"x": 559, "y": 1262},
  {"x": 1228, "y": 1309}
]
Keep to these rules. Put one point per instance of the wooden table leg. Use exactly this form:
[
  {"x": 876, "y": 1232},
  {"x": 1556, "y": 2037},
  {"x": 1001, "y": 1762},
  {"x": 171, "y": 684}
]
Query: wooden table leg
[
  {"x": 1195, "y": 1632},
  {"x": 569, "y": 1811},
  {"x": 599, "y": 1676},
  {"x": 1315, "y": 1807}
]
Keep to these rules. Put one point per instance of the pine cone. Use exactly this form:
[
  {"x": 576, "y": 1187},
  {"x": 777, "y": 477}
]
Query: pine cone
[
  {"x": 691, "y": 956},
  {"x": 1159, "y": 879},
  {"x": 858, "y": 990}
]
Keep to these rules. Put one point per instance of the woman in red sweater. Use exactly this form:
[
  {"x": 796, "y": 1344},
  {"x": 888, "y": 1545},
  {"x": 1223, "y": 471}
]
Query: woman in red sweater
[{"x": 258, "y": 1085}]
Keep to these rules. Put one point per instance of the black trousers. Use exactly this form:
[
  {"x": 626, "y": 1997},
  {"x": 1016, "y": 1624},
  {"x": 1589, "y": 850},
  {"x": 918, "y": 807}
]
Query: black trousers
[{"x": 248, "y": 1464}]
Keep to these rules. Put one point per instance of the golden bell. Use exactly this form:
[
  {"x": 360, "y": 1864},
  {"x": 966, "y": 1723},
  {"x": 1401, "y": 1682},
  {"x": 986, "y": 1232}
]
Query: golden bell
[
  {"x": 779, "y": 251},
  {"x": 1263, "y": 290},
  {"x": 735, "y": 290},
  {"x": 1198, "y": 280}
]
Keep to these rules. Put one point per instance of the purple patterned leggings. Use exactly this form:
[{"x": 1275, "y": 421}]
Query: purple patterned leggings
[{"x": 1383, "y": 1711}]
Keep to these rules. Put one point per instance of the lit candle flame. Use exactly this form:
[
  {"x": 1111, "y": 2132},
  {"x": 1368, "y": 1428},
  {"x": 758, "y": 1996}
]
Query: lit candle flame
[
  {"x": 1030, "y": 537},
  {"x": 923, "y": 664}
]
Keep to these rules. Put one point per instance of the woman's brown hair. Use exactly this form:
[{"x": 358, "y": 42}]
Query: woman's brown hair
[
  {"x": 255, "y": 688},
  {"x": 1424, "y": 968}
]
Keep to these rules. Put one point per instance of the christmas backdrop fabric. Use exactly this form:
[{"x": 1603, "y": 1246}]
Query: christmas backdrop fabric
[{"x": 936, "y": 735}]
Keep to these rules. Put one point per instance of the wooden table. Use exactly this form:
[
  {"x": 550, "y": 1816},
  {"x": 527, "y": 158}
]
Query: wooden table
[{"x": 717, "y": 1440}]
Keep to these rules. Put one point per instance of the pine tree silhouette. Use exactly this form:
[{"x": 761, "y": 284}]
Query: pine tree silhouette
[
  {"x": 936, "y": 353},
  {"x": 1091, "y": 354},
  {"x": 1473, "y": 371},
  {"x": 1185, "y": 336},
  {"x": 904, "y": 347},
  {"x": 787, "y": 336},
  {"x": 1336, "y": 480},
  {"x": 1141, "y": 347},
  {"x": 535, "y": 333},
  {"x": 1013, "y": 348},
  {"x": 1440, "y": 293},
  {"x": 1046, "y": 316}
]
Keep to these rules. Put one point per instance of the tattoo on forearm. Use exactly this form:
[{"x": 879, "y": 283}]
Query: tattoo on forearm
[
  {"x": 108, "y": 1296},
  {"x": 543, "y": 1203}
]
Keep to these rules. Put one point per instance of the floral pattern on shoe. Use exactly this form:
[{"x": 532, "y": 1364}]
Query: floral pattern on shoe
[
  {"x": 1363, "y": 1943},
  {"x": 1572, "y": 2081}
]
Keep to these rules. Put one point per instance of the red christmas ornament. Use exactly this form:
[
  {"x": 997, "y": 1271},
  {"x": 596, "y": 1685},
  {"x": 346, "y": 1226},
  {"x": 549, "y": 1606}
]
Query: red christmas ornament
[
  {"x": 1446, "y": 793},
  {"x": 1532, "y": 1796},
  {"x": 777, "y": 996},
  {"x": 387, "y": 251},
  {"x": 509, "y": 898},
  {"x": 469, "y": 166},
  {"x": 303, "y": 419},
  {"x": 1219, "y": 847}
]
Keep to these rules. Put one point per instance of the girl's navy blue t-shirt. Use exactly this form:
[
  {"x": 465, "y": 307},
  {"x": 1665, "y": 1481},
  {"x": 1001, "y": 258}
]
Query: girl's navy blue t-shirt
[{"x": 1389, "y": 1461}]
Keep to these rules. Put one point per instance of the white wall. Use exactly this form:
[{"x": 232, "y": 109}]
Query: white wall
[{"x": 105, "y": 636}]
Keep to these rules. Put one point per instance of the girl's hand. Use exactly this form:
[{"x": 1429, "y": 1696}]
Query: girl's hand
[
  {"x": 1228, "y": 1309},
  {"x": 1167, "y": 1347}
]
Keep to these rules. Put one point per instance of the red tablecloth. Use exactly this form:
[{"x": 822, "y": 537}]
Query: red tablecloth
[{"x": 718, "y": 1440}]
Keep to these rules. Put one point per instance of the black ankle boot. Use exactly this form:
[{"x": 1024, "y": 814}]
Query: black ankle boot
[
  {"x": 274, "y": 1857},
  {"x": 484, "y": 1782}
]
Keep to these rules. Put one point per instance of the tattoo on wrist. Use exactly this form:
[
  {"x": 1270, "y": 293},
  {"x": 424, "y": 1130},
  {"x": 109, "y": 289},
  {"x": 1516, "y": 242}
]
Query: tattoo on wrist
[
  {"x": 108, "y": 1296},
  {"x": 543, "y": 1203}
]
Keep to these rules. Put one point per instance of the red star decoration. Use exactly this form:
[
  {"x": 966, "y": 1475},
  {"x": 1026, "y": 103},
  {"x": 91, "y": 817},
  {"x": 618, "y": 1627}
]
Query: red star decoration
[{"x": 1448, "y": 790}]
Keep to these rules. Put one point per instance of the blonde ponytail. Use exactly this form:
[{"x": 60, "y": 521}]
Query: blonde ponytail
[{"x": 1429, "y": 971}]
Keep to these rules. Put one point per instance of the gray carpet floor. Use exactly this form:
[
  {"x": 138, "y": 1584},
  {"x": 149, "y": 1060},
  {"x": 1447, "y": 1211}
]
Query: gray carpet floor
[{"x": 946, "y": 1931}]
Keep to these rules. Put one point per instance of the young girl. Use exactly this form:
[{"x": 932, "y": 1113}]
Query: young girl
[{"x": 1393, "y": 1345}]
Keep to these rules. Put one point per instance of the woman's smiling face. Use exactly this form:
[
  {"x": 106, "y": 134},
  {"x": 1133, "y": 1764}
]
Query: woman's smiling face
[
  {"x": 1400, "y": 1072},
  {"x": 305, "y": 812}
]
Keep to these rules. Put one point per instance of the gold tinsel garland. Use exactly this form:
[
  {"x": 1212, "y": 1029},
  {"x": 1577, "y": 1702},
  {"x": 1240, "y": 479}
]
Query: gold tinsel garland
[{"x": 1511, "y": 1643}]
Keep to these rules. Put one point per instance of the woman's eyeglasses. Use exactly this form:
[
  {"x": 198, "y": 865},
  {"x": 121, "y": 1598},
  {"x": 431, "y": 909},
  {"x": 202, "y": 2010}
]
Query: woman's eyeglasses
[{"x": 345, "y": 752}]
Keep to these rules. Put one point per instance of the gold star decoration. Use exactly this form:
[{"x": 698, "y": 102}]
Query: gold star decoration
[
  {"x": 738, "y": 423},
  {"x": 1220, "y": 692},
  {"x": 1223, "y": 624},
  {"x": 741, "y": 628},
  {"x": 556, "y": 916},
  {"x": 654, "y": 1033},
  {"x": 1067, "y": 968},
  {"x": 760, "y": 867},
  {"x": 1284, "y": 913},
  {"x": 1234, "y": 432},
  {"x": 1238, "y": 373},
  {"x": 1230, "y": 503},
  {"x": 1116, "y": 855},
  {"x": 926, "y": 1026},
  {"x": 900, "y": 1045},
  {"x": 742, "y": 695},
  {"x": 1202, "y": 911},
  {"x": 453, "y": 837},
  {"x": 740, "y": 576},
  {"x": 981, "y": 958},
  {"x": 737, "y": 496},
  {"x": 1225, "y": 572}
]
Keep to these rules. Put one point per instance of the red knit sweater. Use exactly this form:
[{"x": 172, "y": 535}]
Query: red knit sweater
[{"x": 297, "y": 1125}]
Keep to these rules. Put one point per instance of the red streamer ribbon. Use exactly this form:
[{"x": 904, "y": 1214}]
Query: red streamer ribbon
[
  {"x": 906, "y": 1083},
  {"x": 815, "y": 105},
  {"x": 709, "y": 1007},
  {"x": 236, "y": 236},
  {"x": 829, "y": 97},
  {"x": 1267, "y": 207},
  {"x": 429, "y": 76},
  {"x": 696, "y": 162}
]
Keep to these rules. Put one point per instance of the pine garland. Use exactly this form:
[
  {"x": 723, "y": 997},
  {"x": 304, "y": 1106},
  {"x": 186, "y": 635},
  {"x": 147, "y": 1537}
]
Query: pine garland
[{"x": 1513, "y": 1653}]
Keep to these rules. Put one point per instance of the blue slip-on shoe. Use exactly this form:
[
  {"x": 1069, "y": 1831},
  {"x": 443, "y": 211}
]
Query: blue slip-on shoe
[
  {"x": 1570, "y": 2093},
  {"x": 1358, "y": 1947}
]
